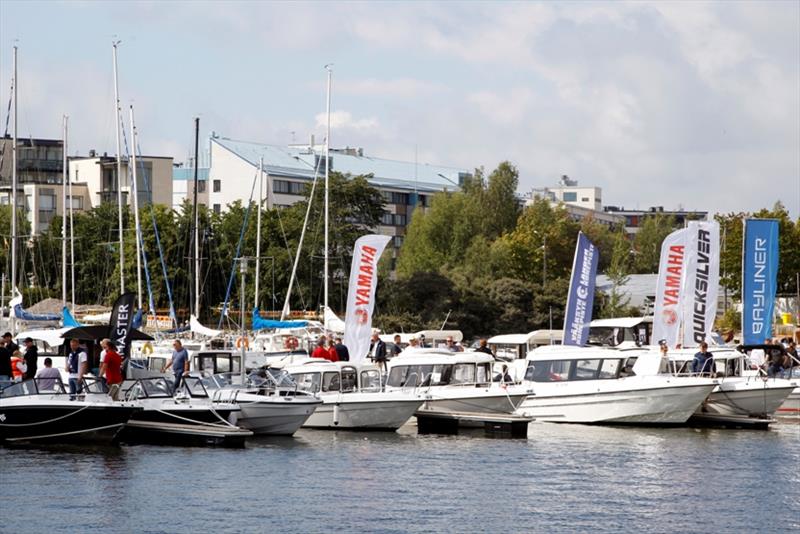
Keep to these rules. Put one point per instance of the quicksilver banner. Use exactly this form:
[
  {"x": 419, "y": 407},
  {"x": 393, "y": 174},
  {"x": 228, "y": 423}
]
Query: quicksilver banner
[
  {"x": 701, "y": 282},
  {"x": 361, "y": 294},
  {"x": 581, "y": 292},
  {"x": 759, "y": 278}
]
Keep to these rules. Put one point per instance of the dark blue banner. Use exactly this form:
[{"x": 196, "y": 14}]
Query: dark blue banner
[
  {"x": 759, "y": 279},
  {"x": 581, "y": 293}
]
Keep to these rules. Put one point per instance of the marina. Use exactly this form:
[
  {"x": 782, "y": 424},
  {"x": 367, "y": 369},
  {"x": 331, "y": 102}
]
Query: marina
[{"x": 399, "y": 267}]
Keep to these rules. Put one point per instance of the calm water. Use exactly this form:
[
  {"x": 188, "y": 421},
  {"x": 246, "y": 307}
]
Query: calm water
[{"x": 562, "y": 478}]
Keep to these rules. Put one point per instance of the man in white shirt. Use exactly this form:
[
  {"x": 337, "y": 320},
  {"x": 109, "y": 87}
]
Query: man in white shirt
[{"x": 77, "y": 365}]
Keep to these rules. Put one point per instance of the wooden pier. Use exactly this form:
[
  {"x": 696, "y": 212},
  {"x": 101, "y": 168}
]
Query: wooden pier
[{"x": 494, "y": 425}]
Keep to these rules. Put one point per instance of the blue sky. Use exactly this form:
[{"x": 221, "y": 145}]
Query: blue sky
[{"x": 675, "y": 104}]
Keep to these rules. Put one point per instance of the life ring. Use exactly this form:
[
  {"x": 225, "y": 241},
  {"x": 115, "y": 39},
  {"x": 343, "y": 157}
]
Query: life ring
[
  {"x": 291, "y": 343},
  {"x": 147, "y": 348},
  {"x": 242, "y": 341}
]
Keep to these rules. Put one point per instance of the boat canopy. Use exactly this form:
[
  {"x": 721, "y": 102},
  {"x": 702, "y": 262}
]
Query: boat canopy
[
  {"x": 20, "y": 313},
  {"x": 53, "y": 337},
  {"x": 197, "y": 328},
  {"x": 260, "y": 324}
]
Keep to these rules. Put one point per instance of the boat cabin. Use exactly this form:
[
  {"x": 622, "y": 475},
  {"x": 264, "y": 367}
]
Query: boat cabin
[
  {"x": 625, "y": 331},
  {"x": 428, "y": 338},
  {"x": 214, "y": 362},
  {"x": 315, "y": 375},
  {"x": 508, "y": 347},
  {"x": 439, "y": 367}
]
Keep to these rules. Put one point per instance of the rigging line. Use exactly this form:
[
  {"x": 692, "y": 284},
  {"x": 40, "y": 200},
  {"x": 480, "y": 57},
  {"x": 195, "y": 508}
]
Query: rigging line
[{"x": 238, "y": 250}]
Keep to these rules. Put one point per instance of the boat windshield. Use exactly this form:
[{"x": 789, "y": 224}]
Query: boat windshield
[
  {"x": 573, "y": 370},
  {"x": 34, "y": 386},
  {"x": 370, "y": 380},
  {"x": 153, "y": 388},
  {"x": 194, "y": 386},
  {"x": 307, "y": 381}
]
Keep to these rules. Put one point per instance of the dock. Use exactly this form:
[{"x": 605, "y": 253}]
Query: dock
[{"x": 494, "y": 425}]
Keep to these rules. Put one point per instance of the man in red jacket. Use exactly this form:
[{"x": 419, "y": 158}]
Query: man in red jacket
[
  {"x": 112, "y": 368},
  {"x": 321, "y": 351}
]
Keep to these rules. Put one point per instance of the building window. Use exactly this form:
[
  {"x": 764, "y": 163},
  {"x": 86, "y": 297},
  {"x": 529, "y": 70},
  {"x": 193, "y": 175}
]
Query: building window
[
  {"x": 77, "y": 203},
  {"x": 393, "y": 197},
  {"x": 400, "y": 220},
  {"x": 584, "y": 199},
  {"x": 217, "y": 209},
  {"x": 217, "y": 186},
  {"x": 570, "y": 196},
  {"x": 387, "y": 219},
  {"x": 398, "y": 241},
  {"x": 201, "y": 186},
  {"x": 287, "y": 188}
]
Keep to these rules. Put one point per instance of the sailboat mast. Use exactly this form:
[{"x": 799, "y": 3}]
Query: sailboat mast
[
  {"x": 117, "y": 116},
  {"x": 71, "y": 245},
  {"x": 14, "y": 194},
  {"x": 195, "y": 220},
  {"x": 135, "y": 193},
  {"x": 327, "y": 172},
  {"x": 64, "y": 216},
  {"x": 258, "y": 227}
]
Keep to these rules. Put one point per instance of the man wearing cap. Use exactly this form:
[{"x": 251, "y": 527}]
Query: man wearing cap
[{"x": 31, "y": 358}]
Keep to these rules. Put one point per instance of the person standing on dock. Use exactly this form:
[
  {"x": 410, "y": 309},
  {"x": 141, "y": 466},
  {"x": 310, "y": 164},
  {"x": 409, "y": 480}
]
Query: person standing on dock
[
  {"x": 341, "y": 350},
  {"x": 377, "y": 351},
  {"x": 5, "y": 362},
  {"x": 320, "y": 351},
  {"x": 333, "y": 355},
  {"x": 31, "y": 358},
  {"x": 77, "y": 364},
  {"x": 179, "y": 362},
  {"x": 111, "y": 368}
]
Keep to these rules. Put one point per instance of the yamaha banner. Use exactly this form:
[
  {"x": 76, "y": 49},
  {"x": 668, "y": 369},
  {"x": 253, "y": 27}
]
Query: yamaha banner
[
  {"x": 669, "y": 289},
  {"x": 759, "y": 279},
  {"x": 121, "y": 324},
  {"x": 361, "y": 294},
  {"x": 581, "y": 293},
  {"x": 700, "y": 282}
]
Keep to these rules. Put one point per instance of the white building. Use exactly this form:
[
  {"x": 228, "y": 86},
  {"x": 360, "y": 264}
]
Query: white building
[
  {"x": 233, "y": 171},
  {"x": 580, "y": 202}
]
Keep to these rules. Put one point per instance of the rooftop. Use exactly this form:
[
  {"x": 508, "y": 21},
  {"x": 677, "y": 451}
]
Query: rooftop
[{"x": 300, "y": 162}]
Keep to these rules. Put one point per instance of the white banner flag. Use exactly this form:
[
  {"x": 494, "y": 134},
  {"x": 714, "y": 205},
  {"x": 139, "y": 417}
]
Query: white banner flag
[
  {"x": 361, "y": 294},
  {"x": 671, "y": 270},
  {"x": 701, "y": 282}
]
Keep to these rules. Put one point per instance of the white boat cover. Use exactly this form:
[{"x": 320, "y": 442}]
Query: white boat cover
[
  {"x": 97, "y": 318},
  {"x": 197, "y": 328},
  {"x": 332, "y": 322}
]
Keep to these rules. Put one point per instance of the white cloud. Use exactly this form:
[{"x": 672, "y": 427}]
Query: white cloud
[{"x": 343, "y": 120}]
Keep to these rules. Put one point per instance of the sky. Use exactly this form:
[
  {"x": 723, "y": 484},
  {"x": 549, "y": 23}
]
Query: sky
[{"x": 692, "y": 105}]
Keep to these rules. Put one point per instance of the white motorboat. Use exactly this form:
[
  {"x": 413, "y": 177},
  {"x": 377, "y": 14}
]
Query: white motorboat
[
  {"x": 352, "y": 396},
  {"x": 40, "y": 409},
  {"x": 741, "y": 391},
  {"x": 270, "y": 403},
  {"x": 599, "y": 385},
  {"x": 454, "y": 382},
  {"x": 186, "y": 416}
]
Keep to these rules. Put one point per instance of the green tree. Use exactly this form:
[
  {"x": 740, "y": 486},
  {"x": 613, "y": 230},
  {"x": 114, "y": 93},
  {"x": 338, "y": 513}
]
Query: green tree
[{"x": 647, "y": 242}]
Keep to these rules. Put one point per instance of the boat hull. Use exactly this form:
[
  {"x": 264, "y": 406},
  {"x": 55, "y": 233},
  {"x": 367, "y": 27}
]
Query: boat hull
[
  {"x": 355, "y": 412},
  {"x": 791, "y": 406},
  {"x": 669, "y": 403},
  {"x": 192, "y": 435},
  {"x": 751, "y": 398},
  {"x": 460, "y": 400},
  {"x": 63, "y": 422},
  {"x": 278, "y": 417}
]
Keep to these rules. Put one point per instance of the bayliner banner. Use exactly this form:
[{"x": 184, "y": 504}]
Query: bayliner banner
[
  {"x": 701, "y": 282},
  {"x": 581, "y": 293},
  {"x": 361, "y": 294},
  {"x": 667, "y": 314},
  {"x": 759, "y": 279},
  {"x": 121, "y": 324}
]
